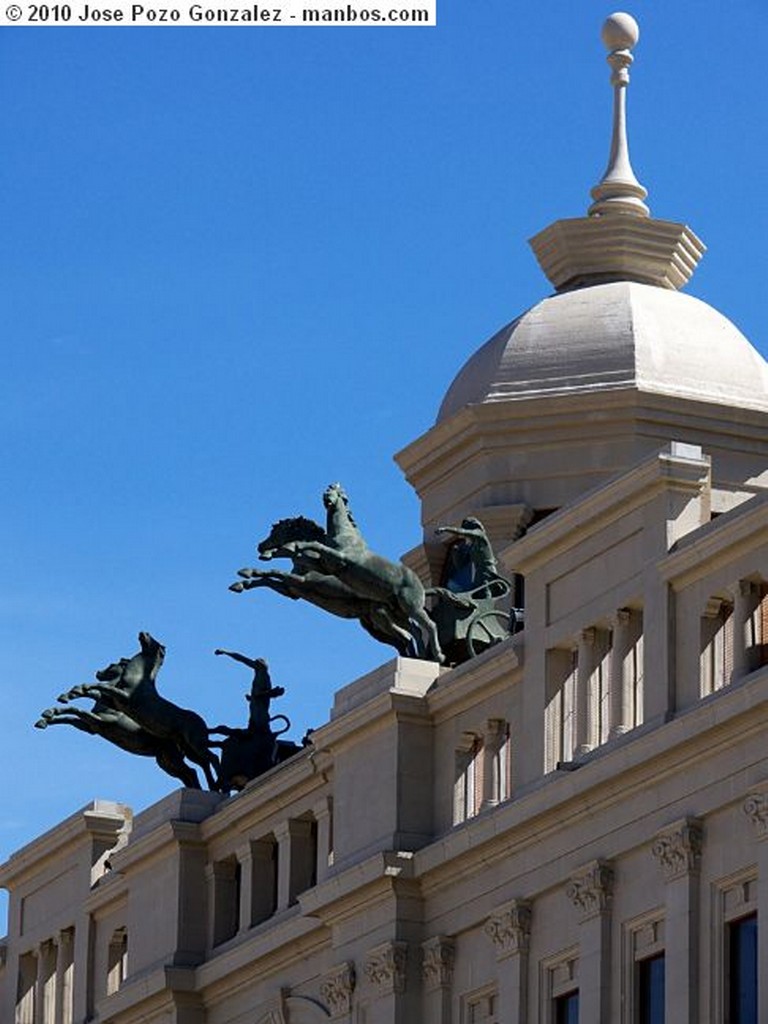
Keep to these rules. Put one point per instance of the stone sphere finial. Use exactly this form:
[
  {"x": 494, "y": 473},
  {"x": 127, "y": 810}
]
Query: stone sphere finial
[{"x": 620, "y": 31}]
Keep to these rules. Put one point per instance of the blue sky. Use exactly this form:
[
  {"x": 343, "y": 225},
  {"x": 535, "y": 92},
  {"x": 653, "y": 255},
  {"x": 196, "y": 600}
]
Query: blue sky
[{"x": 238, "y": 264}]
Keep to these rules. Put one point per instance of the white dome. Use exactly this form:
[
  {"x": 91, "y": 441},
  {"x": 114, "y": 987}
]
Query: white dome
[{"x": 611, "y": 336}]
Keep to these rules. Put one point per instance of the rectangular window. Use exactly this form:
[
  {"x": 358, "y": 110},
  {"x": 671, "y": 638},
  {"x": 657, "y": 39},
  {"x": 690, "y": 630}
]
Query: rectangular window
[
  {"x": 468, "y": 778},
  {"x": 742, "y": 970},
  {"x": 650, "y": 990},
  {"x": 567, "y": 1008}
]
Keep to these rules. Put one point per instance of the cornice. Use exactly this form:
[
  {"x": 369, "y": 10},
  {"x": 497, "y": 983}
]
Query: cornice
[
  {"x": 466, "y": 685},
  {"x": 433, "y": 456},
  {"x": 357, "y": 887},
  {"x": 95, "y": 819},
  {"x": 721, "y": 540},
  {"x": 610, "y": 501},
  {"x": 272, "y": 947},
  {"x": 156, "y": 844}
]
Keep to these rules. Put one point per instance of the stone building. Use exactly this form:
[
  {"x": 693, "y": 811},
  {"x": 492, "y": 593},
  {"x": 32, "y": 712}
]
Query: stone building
[{"x": 571, "y": 826}]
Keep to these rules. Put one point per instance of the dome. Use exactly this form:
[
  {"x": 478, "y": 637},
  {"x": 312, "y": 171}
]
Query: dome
[{"x": 611, "y": 336}]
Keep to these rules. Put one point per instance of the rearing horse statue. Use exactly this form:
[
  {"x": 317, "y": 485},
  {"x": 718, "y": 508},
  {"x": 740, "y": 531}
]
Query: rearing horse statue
[
  {"x": 129, "y": 686},
  {"x": 338, "y": 567}
]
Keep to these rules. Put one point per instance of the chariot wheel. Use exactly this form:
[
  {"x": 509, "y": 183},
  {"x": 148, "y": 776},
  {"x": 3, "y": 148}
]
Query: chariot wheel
[{"x": 487, "y": 629}]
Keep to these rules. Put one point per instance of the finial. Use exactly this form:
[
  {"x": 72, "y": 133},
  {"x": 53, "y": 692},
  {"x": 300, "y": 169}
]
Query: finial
[{"x": 619, "y": 191}]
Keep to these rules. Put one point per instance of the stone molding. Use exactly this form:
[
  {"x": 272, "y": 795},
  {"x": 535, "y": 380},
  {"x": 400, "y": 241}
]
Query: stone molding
[
  {"x": 336, "y": 989},
  {"x": 756, "y": 809},
  {"x": 385, "y": 967},
  {"x": 509, "y": 928},
  {"x": 677, "y": 848},
  {"x": 590, "y": 890},
  {"x": 438, "y": 956}
]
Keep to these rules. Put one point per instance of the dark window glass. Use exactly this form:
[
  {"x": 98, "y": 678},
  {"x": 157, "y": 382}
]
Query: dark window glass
[
  {"x": 567, "y": 1009},
  {"x": 650, "y": 985},
  {"x": 742, "y": 971}
]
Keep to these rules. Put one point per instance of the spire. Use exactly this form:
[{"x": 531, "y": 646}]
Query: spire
[
  {"x": 619, "y": 191},
  {"x": 618, "y": 240}
]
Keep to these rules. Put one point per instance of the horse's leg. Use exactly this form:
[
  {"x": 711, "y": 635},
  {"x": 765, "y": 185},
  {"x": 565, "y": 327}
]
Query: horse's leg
[
  {"x": 429, "y": 628},
  {"x": 67, "y": 718},
  {"x": 174, "y": 765},
  {"x": 81, "y": 690}
]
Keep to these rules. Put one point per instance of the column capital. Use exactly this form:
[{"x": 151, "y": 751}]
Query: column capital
[
  {"x": 756, "y": 809},
  {"x": 336, "y": 989},
  {"x": 621, "y": 617},
  {"x": 437, "y": 959},
  {"x": 509, "y": 928},
  {"x": 590, "y": 889},
  {"x": 385, "y": 967},
  {"x": 677, "y": 848}
]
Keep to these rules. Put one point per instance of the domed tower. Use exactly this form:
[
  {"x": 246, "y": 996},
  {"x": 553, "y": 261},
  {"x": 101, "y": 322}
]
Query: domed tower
[{"x": 614, "y": 365}]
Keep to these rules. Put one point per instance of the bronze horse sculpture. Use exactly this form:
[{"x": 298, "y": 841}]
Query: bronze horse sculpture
[
  {"x": 104, "y": 719},
  {"x": 336, "y": 570},
  {"x": 129, "y": 686}
]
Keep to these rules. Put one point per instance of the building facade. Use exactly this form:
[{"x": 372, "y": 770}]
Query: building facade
[{"x": 571, "y": 826}]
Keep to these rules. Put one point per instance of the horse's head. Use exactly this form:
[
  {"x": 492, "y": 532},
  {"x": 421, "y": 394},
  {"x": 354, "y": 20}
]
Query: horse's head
[
  {"x": 152, "y": 652},
  {"x": 334, "y": 495},
  {"x": 287, "y": 530},
  {"x": 112, "y": 673}
]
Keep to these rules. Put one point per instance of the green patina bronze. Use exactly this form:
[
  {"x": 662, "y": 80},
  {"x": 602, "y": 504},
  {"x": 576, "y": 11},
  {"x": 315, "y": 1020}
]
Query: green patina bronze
[{"x": 336, "y": 570}]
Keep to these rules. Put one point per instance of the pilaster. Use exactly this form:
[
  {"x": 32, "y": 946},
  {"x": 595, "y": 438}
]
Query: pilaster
[
  {"x": 509, "y": 929},
  {"x": 385, "y": 971},
  {"x": 437, "y": 960},
  {"x": 756, "y": 809},
  {"x": 590, "y": 890},
  {"x": 677, "y": 848}
]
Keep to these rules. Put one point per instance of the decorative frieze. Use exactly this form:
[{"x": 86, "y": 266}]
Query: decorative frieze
[
  {"x": 385, "y": 967},
  {"x": 677, "y": 848},
  {"x": 509, "y": 928},
  {"x": 756, "y": 809},
  {"x": 437, "y": 959},
  {"x": 590, "y": 890},
  {"x": 336, "y": 989}
]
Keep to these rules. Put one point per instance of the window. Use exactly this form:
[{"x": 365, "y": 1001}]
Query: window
[
  {"x": 226, "y": 877},
  {"x": 734, "y": 973},
  {"x": 567, "y": 1008},
  {"x": 560, "y": 988},
  {"x": 117, "y": 960},
  {"x": 468, "y": 778},
  {"x": 650, "y": 990},
  {"x": 716, "y": 646},
  {"x": 480, "y": 1007},
  {"x": 25, "y": 990},
  {"x": 742, "y": 971},
  {"x": 560, "y": 714}
]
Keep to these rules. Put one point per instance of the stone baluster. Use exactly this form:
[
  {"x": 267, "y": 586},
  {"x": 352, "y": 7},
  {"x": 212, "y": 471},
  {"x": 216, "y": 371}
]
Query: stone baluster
[
  {"x": 743, "y": 608},
  {"x": 586, "y": 707},
  {"x": 622, "y": 676},
  {"x": 323, "y": 814}
]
